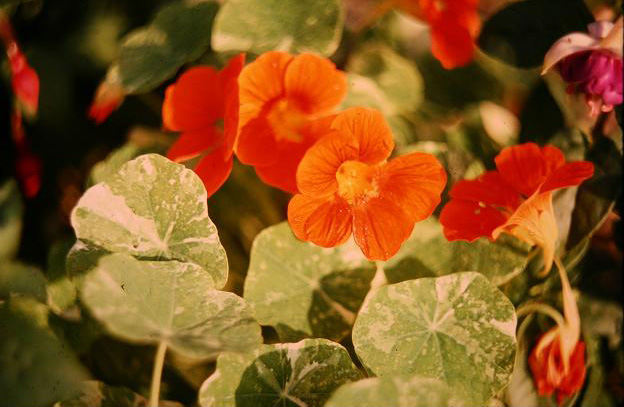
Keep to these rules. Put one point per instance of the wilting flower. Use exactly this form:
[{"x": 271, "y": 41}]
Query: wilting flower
[
  {"x": 558, "y": 360},
  {"x": 203, "y": 105},
  {"x": 285, "y": 106},
  {"x": 108, "y": 96},
  {"x": 514, "y": 199},
  {"x": 347, "y": 186},
  {"x": 591, "y": 64}
]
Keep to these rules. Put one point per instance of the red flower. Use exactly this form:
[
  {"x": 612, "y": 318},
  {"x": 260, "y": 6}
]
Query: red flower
[
  {"x": 515, "y": 199},
  {"x": 285, "y": 106},
  {"x": 555, "y": 370},
  {"x": 24, "y": 80},
  {"x": 454, "y": 25},
  {"x": 347, "y": 186},
  {"x": 203, "y": 105}
]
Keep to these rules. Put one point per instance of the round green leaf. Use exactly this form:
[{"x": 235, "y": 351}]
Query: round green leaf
[
  {"x": 19, "y": 278},
  {"x": 397, "y": 77},
  {"x": 287, "y": 25},
  {"x": 305, "y": 373},
  {"x": 427, "y": 253},
  {"x": 179, "y": 33},
  {"x": 152, "y": 209},
  {"x": 305, "y": 290},
  {"x": 11, "y": 210},
  {"x": 457, "y": 328},
  {"x": 168, "y": 301},
  {"x": 394, "y": 391},
  {"x": 37, "y": 368}
]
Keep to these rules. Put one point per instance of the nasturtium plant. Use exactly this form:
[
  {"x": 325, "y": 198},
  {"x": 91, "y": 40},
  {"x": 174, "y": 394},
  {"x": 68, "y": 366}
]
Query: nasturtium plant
[
  {"x": 456, "y": 328},
  {"x": 37, "y": 368},
  {"x": 408, "y": 391},
  {"x": 427, "y": 254},
  {"x": 179, "y": 33},
  {"x": 168, "y": 302},
  {"x": 303, "y": 290},
  {"x": 286, "y": 25},
  {"x": 97, "y": 394},
  {"x": 152, "y": 209},
  {"x": 305, "y": 373}
]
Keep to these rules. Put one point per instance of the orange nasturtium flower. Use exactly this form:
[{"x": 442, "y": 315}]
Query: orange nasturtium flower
[
  {"x": 514, "y": 199},
  {"x": 203, "y": 105},
  {"x": 286, "y": 103},
  {"x": 347, "y": 186}
]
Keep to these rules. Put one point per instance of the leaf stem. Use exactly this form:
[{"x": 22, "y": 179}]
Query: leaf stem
[
  {"x": 159, "y": 362},
  {"x": 379, "y": 280}
]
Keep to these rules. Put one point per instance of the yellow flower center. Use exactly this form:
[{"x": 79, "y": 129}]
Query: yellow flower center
[
  {"x": 357, "y": 181},
  {"x": 286, "y": 121}
]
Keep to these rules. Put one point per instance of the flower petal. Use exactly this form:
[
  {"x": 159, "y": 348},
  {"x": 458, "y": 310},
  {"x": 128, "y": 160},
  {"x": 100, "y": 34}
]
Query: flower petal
[
  {"x": 368, "y": 131},
  {"x": 567, "y": 45},
  {"x": 228, "y": 77},
  {"x": 414, "y": 182},
  {"x": 465, "y": 220},
  {"x": 214, "y": 169},
  {"x": 380, "y": 226},
  {"x": 569, "y": 174},
  {"x": 451, "y": 43},
  {"x": 256, "y": 144},
  {"x": 325, "y": 222},
  {"x": 261, "y": 82},
  {"x": 489, "y": 188},
  {"x": 194, "y": 101},
  {"x": 192, "y": 143},
  {"x": 526, "y": 166},
  {"x": 314, "y": 84}
]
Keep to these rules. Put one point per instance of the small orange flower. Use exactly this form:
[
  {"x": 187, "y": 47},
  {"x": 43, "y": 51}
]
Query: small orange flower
[
  {"x": 285, "y": 106},
  {"x": 203, "y": 105},
  {"x": 515, "y": 199},
  {"x": 347, "y": 186}
]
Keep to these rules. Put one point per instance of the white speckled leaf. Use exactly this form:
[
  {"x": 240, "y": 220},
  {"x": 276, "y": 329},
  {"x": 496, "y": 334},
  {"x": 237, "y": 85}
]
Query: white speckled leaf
[
  {"x": 457, "y": 328},
  {"x": 395, "y": 391},
  {"x": 287, "y": 25},
  {"x": 305, "y": 290},
  {"x": 427, "y": 253},
  {"x": 152, "y": 208},
  {"x": 285, "y": 374},
  {"x": 168, "y": 301},
  {"x": 11, "y": 209}
]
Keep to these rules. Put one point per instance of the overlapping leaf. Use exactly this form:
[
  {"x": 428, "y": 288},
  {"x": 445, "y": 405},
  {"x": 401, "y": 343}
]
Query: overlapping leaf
[
  {"x": 305, "y": 290},
  {"x": 152, "y": 209},
  {"x": 457, "y": 328},
  {"x": 287, "y": 25},
  {"x": 171, "y": 302},
  {"x": 11, "y": 210},
  {"x": 305, "y": 373}
]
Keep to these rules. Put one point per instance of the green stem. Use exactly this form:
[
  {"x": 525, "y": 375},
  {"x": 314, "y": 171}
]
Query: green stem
[
  {"x": 159, "y": 362},
  {"x": 527, "y": 309}
]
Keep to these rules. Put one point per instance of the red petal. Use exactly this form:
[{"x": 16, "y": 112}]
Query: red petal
[
  {"x": 452, "y": 44},
  {"x": 325, "y": 222},
  {"x": 524, "y": 166},
  {"x": 192, "y": 143},
  {"x": 489, "y": 188},
  {"x": 194, "y": 101},
  {"x": 414, "y": 182},
  {"x": 256, "y": 143},
  {"x": 229, "y": 84},
  {"x": 214, "y": 169},
  {"x": 568, "y": 175},
  {"x": 380, "y": 227},
  {"x": 464, "y": 220}
]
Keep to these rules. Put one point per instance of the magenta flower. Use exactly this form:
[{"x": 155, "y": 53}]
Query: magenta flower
[{"x": 591, "y": 64}]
